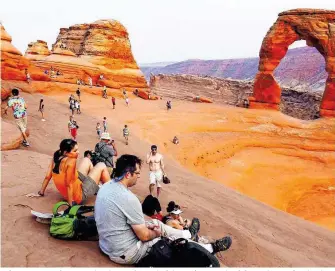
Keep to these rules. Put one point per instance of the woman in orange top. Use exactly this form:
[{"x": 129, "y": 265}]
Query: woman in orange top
[{"x": 73, "y": 185}]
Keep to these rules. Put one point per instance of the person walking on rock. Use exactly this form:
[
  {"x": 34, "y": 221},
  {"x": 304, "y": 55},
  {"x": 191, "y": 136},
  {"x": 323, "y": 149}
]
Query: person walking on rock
[
  {"x": 126, "y": 133},
  {"x": 113, "y": 102},
  {"x": 104, "y": 124},
  {"x": 156, "y": 167},
  {"x": 41, "y": 109},
  {"x": 78, "y": 94},
  {"x": 19, "y": 108}
]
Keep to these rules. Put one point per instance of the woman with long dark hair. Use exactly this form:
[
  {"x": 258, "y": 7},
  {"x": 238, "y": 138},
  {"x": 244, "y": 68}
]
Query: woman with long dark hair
[
  {"x": 41, "y": 109},
  {"x": 72, "y": 184}
]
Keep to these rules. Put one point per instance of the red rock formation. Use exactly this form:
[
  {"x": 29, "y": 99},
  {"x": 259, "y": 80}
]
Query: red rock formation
[
  {"x": 11, "y": 137},
  {"x": 89, "y": 50},
  {"x": 202, "y": 100},
  {"x": 13, "y": 64},
  {"x": 317, "y": 27}
]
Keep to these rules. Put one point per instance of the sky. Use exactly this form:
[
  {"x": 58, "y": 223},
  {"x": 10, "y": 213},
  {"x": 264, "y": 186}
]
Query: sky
[{"x": 173, "y": 30}]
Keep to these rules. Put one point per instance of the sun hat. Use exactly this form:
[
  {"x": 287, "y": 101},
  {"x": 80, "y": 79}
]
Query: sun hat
[
  {"x": 105, "y": 136},
  {"x": 176, "y": 211}
]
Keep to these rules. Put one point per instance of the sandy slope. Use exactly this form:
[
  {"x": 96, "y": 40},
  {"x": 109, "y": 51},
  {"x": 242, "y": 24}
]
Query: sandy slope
[{"x": 263, "y": 236}]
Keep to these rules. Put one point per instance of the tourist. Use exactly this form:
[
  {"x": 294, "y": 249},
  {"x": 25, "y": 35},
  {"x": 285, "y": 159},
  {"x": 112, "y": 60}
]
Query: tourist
[
  {"x": 175, "y": 140},
  {"x": 76, "y": 186},
  {"x": 136, "y": 92},
  {"x": 174, "y": 219},
  {"x": 106, "y": 150},
  {"x": 41, "y": 109},
  {"x": 126, "y": 133},
  {"x": 152, "y": 208},
  {"x": 246, "y": 103},
  {"x": 124, "y": 94},
  {"x": 98, "y": 129},
  {"x": 78, "y": 94},
  {"x": 90, "y": 81},
  {"x": 72, "y": 104},
  {"x": 19, "y": 108},
  {"x": 88, "y": 154},
  {"x": 127, "y": 101},
  {"x": 28, "y": 77},
  {"x": 77, "y": 106},
  {"x": 113, "y": 102},
  {"x": 168, "y": 105},
  {"x": 156, "y": 167},
  {"x": 101, "y": 77},
  {"x": 124, "y": 235},
  {"x": 104, "y": 124},
  {"x": 73, "y": 127},
  {"x": 104, "y": 93}
]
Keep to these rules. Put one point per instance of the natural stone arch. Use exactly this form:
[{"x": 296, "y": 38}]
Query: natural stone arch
[{"x": 317, "y": 27}]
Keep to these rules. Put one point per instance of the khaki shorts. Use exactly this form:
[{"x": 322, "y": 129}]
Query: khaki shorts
[
  {"x": 110, "y": 170},
  {"x": 156, "y": 177},
  {"x": 89, "y": 186},
  {"x": 22, "y": 124}
]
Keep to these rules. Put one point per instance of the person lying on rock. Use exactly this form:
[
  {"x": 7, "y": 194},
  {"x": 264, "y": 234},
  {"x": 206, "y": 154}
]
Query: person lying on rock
[
  {"x": 174, "y": 218},
  {"x": 75, "y": 185},
  {"x": 124, "y": 235},
  {"x": 152, "y": 208}
]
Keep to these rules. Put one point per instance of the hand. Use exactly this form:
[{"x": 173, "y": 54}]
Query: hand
[{"x": 157, "y": 230}]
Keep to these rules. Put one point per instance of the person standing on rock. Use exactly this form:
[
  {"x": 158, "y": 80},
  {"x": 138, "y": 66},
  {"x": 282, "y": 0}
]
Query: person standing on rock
[
  {"x": 28, "y": 76},
  {"x": 127, "y": 101},
  {"x": 19, "y": 108},
  {"x": 104, "y": 93},
  {"x": 77, "y": 106},
  {"x": 78, "y": 94},
  {"x": 104, "y": 124},
  {"x": 113, "y": 102},
  {"x": 90, "y": 82},
  {"x": 41, "y": 109},
  {"x": 156, "y": 167},
  {"x": 126, "y": 133},
  {"x": 73, "y": 127}
]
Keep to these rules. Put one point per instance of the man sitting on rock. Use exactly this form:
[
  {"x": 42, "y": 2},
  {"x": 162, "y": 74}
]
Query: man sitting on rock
[{"x": 124, "y": 235}]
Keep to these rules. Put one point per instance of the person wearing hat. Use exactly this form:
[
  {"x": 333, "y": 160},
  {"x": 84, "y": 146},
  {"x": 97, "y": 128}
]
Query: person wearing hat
[
  {"x": 106, "y": 150},
  {"x": 174, "y": 219}
]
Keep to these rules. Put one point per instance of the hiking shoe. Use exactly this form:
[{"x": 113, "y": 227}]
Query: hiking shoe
[
  {"x": 25, "y": 143},
  {"x": 194, "y": 229},
  {"x": 221, "y": 244}
]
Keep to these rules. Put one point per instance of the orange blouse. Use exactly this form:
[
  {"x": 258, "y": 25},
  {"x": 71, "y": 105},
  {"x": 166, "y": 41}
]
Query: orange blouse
[{"x": 59, "y": 180}]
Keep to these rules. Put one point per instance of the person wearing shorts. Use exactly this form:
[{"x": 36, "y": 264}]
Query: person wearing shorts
[
  {"x": 19, "y": 108},
  {"x": 83, "y": 182},
  {"x": 72, "y": 126},
  {"x": 156, "y": 167}
]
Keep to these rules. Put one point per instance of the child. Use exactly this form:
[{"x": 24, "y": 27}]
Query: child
[
  {"x": 98, "y": 128},
  {"x": 104, "y": 124},
  {"x": 126, "y": 133}
]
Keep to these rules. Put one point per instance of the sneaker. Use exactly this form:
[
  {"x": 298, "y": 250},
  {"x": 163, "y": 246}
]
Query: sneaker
[
  {"x": 43, "y": 119},
  {"x": 221, "y": 244},
  {"x": 194, "y": 229}
]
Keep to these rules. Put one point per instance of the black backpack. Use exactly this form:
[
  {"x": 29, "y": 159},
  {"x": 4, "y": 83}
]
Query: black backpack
[{"x": 178, "y": 253}]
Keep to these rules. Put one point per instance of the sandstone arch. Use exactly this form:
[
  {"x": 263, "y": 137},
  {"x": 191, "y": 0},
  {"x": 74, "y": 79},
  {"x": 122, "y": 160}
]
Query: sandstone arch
[{"x": 317, "y": 27}]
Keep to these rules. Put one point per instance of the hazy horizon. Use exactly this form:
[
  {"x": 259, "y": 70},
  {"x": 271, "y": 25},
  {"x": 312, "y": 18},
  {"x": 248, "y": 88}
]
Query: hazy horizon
[{"x": 159, "y": 31}]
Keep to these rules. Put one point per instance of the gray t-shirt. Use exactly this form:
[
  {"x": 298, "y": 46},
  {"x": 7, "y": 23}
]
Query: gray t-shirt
[
  {"x": 106, "y": 153},
  {"x": 116, "y": 209}
]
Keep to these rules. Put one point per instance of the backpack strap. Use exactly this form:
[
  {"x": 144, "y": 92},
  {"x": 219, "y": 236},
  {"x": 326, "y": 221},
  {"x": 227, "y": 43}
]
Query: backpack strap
[
  {"x": 57, "y": 205},
  {"x": 74, "y": 209}
]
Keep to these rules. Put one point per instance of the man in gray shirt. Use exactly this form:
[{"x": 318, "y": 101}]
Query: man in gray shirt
[
  {"x": 124, "y": 235},
  {"x": 106, "y": 150}
]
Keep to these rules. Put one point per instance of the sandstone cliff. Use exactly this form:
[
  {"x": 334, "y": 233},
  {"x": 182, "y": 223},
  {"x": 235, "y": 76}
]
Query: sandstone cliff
[
  {"x": 90, "y": 50},
  {"x": 297, "y": 103}
]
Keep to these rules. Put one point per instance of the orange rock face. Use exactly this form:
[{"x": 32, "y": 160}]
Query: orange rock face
[
  {"x": 317, "y": 27},
  {"x": 13, "y": 64},
  {"x": 86, "y": 51}
]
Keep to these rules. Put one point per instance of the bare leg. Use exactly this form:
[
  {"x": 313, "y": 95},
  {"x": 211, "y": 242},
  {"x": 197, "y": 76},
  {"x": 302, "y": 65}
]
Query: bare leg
[
  {"x": 25, "y": 138},
  {"x": 151, "y": 188},
  {"x": 100, "y": 173},
  {"x": 85, "y": 166},
  {"x": 158, "y": 191}
]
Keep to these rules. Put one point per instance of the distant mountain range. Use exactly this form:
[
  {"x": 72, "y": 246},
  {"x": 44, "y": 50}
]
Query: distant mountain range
[{"x": 302, "y": 68}]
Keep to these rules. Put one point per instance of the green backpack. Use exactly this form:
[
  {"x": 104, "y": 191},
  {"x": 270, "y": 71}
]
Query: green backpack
[{"x": 72, "y": 224}]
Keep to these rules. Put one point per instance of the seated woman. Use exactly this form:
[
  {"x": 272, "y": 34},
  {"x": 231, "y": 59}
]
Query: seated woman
[
  {"x": 151, "y": 207},
  {"x": 74, "y": 185},
  {"x": 174, "y": 219}
]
